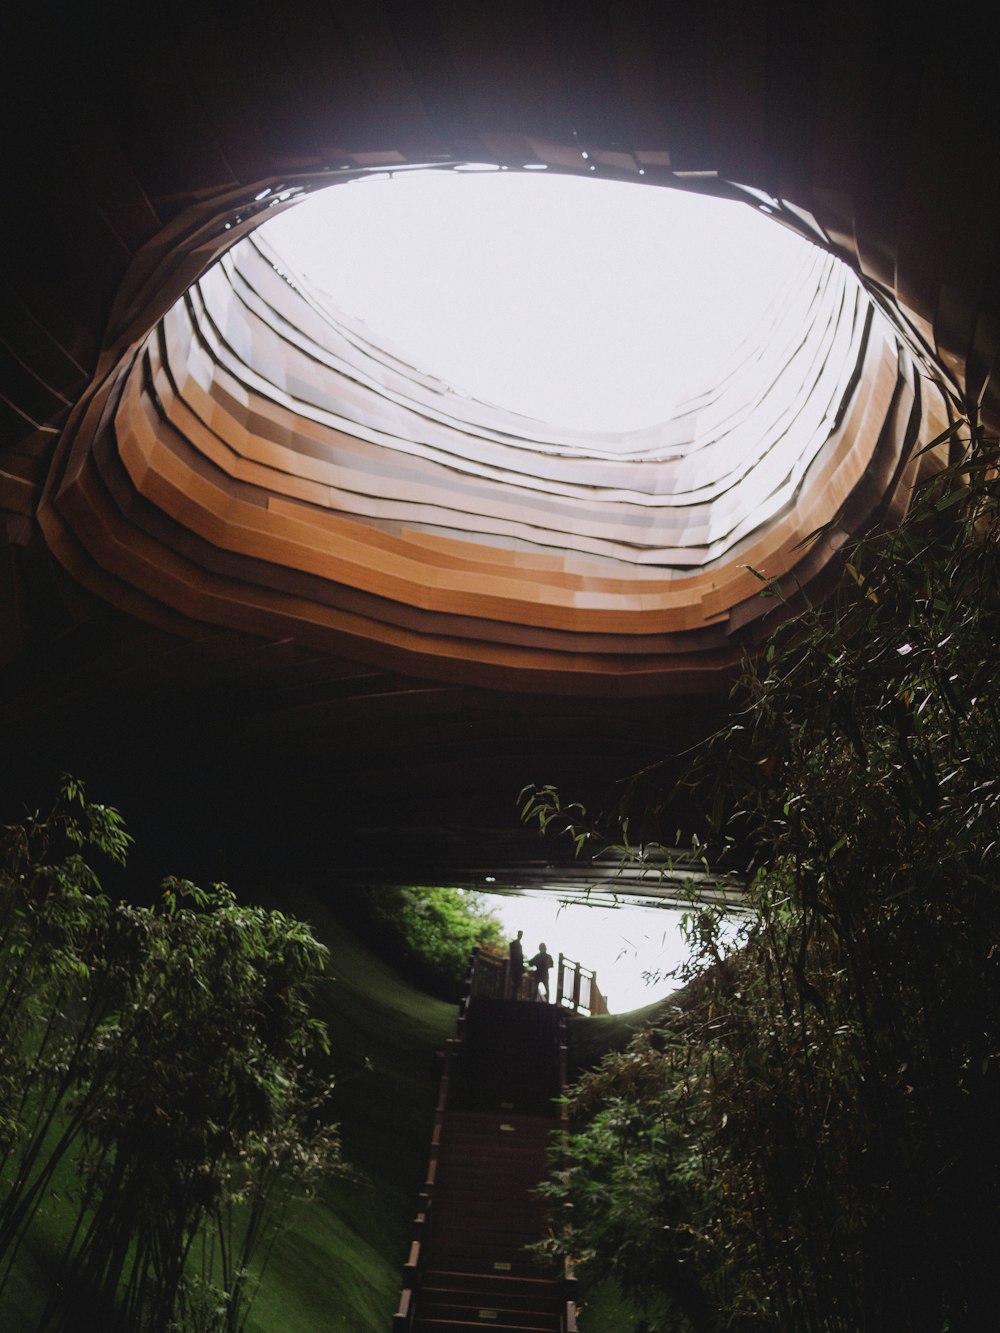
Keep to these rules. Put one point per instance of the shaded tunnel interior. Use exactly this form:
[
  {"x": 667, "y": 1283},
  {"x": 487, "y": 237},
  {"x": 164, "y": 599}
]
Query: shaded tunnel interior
[{"x": 244, "y": 586}]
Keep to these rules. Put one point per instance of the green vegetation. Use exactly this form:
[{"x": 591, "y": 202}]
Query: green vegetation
[
  {"x": 809, "y": 1142},
  {"x": 590, "y": 1039},
  {"x": 428, "y": 934},
  {"x": 339, "y": 1266},
  {"x": 167, "y": 1096},
  {"x": 167, "y": 1053},
  {"x": 801, "y": 1141}
]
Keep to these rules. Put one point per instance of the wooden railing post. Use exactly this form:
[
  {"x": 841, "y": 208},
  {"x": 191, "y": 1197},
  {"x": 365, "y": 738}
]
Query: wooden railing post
[{"x": 559, "y": 981}]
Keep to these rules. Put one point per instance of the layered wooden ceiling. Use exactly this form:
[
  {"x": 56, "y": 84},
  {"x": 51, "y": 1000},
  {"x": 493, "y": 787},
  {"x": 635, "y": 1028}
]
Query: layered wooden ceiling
[
  {"x": 247, "y": 550},
  {"x": 258, "y": 464}
]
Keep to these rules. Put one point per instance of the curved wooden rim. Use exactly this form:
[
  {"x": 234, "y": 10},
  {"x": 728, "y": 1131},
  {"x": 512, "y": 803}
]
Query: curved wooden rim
[{"x": 243, "y": 462}]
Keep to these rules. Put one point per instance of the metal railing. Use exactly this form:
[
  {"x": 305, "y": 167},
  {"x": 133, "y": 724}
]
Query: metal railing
[
  {"x": 576, "y": 986},
  {"x": 577, "y": 989},
  {"x": 402, "y": 1320},
  {"x": 488, "y": 975}
]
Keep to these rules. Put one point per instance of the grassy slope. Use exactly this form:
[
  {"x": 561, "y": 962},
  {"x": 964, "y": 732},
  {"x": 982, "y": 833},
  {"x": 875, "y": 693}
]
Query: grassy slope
[
  {"x": 338, "y": 1267},
  {"x": 338, "y": 1264},
  {"x": 386, "y": 1116}
]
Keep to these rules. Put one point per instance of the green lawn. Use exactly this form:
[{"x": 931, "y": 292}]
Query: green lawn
[
  {"x": 337, "y": 1263},
  {"x": 338, "y": 1266}
]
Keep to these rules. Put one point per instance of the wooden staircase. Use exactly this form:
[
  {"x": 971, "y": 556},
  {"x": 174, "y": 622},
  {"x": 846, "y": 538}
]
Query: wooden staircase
[{"x": 468, "y": 1268}]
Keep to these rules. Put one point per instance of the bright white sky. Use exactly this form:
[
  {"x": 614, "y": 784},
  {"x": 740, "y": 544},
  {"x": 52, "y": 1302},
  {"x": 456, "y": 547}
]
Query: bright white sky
[
  {"x": 618, "y": 943},
  {"x": 585, "y": 303}
]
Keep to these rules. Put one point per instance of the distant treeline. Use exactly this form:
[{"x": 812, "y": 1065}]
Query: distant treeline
[{"x": 427, "y": 934}]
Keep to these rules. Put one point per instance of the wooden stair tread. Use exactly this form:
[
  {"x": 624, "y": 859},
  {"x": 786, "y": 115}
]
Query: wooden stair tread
[
  {"x": 465, "y": 1298},
  {"x": 443, "y": 1277},
  {"x": 473, "y": 1310},
  {"x": 466, "y": 1326},
  {"x": 492, "y": 1151}
]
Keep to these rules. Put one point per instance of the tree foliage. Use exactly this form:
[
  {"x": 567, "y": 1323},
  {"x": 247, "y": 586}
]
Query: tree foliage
[
  {"x": 429, "y": 933},
  {"x": 168, "y": 1054},
  {"x": 813, "y": 1140}
]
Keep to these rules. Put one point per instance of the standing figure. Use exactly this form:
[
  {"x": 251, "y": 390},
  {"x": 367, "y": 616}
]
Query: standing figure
[
  {"x": 540, "y": 965},
  {"x": 516, "y": 952}
]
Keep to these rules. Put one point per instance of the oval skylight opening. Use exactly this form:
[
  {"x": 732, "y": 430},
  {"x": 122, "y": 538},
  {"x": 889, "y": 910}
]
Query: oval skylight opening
[{"x": 588, "y": 304}]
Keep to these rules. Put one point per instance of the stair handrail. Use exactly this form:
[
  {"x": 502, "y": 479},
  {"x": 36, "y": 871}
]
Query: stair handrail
[
  {"x": 488, "y": 974},
  {"x": 567, "y": 1315},
  {"x": 576, "y": 985},
  {"x": 483, "y": 964},
  {"x": 402, "y": 1320},
  {"x": 577, "y": 989}
]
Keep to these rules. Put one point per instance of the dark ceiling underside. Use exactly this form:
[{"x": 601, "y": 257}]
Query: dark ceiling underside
[{"x": 128, "y": 146}]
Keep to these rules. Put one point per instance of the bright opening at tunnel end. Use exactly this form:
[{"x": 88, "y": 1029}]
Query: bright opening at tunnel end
[{"x": 588, "y": 304}]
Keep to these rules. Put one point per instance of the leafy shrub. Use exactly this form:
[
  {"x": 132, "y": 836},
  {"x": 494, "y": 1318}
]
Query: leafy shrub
[
  {"x": 814, "y": 1140},
  {"x": 632, "y": 1172},
  {"x": 167, "y": 1052},
  {"x": 430, "y": 933}
]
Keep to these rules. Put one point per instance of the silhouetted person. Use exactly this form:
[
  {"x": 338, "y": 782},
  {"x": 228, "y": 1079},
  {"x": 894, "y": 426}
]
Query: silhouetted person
[
  {"x": 516, "y": 952},
  {"x": 540, "y": 965}
]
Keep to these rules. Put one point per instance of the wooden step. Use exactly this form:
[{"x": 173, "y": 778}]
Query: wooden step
[
  {"x": 455, "y": 1279},
  {"x": 481, "y": 1149},
  {"x": 461, "y": 1143},
  {"x": 465, "y": 1145},
  {"x": 492, "y": 1149},
  {"x": 527, "y": 1215},
  {"x": 480, "y": 1152},
  {"x": 470, "y": 1312},
  {"x": 490, "y": 1116},
  {"x": 458, "y": 1234},
  {"x": 487, "y": 1259},
  {"x": 520, "y": 1129},
  {"x": 503, "y": 1172},
  {"x": 473, "y": 1293},
  {"x": 494, "y": 1259},
  {"x": 465, "y": 1326},
  {"x": 515, "y": 1170},
  {"x": 463, "y": 1243}
]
